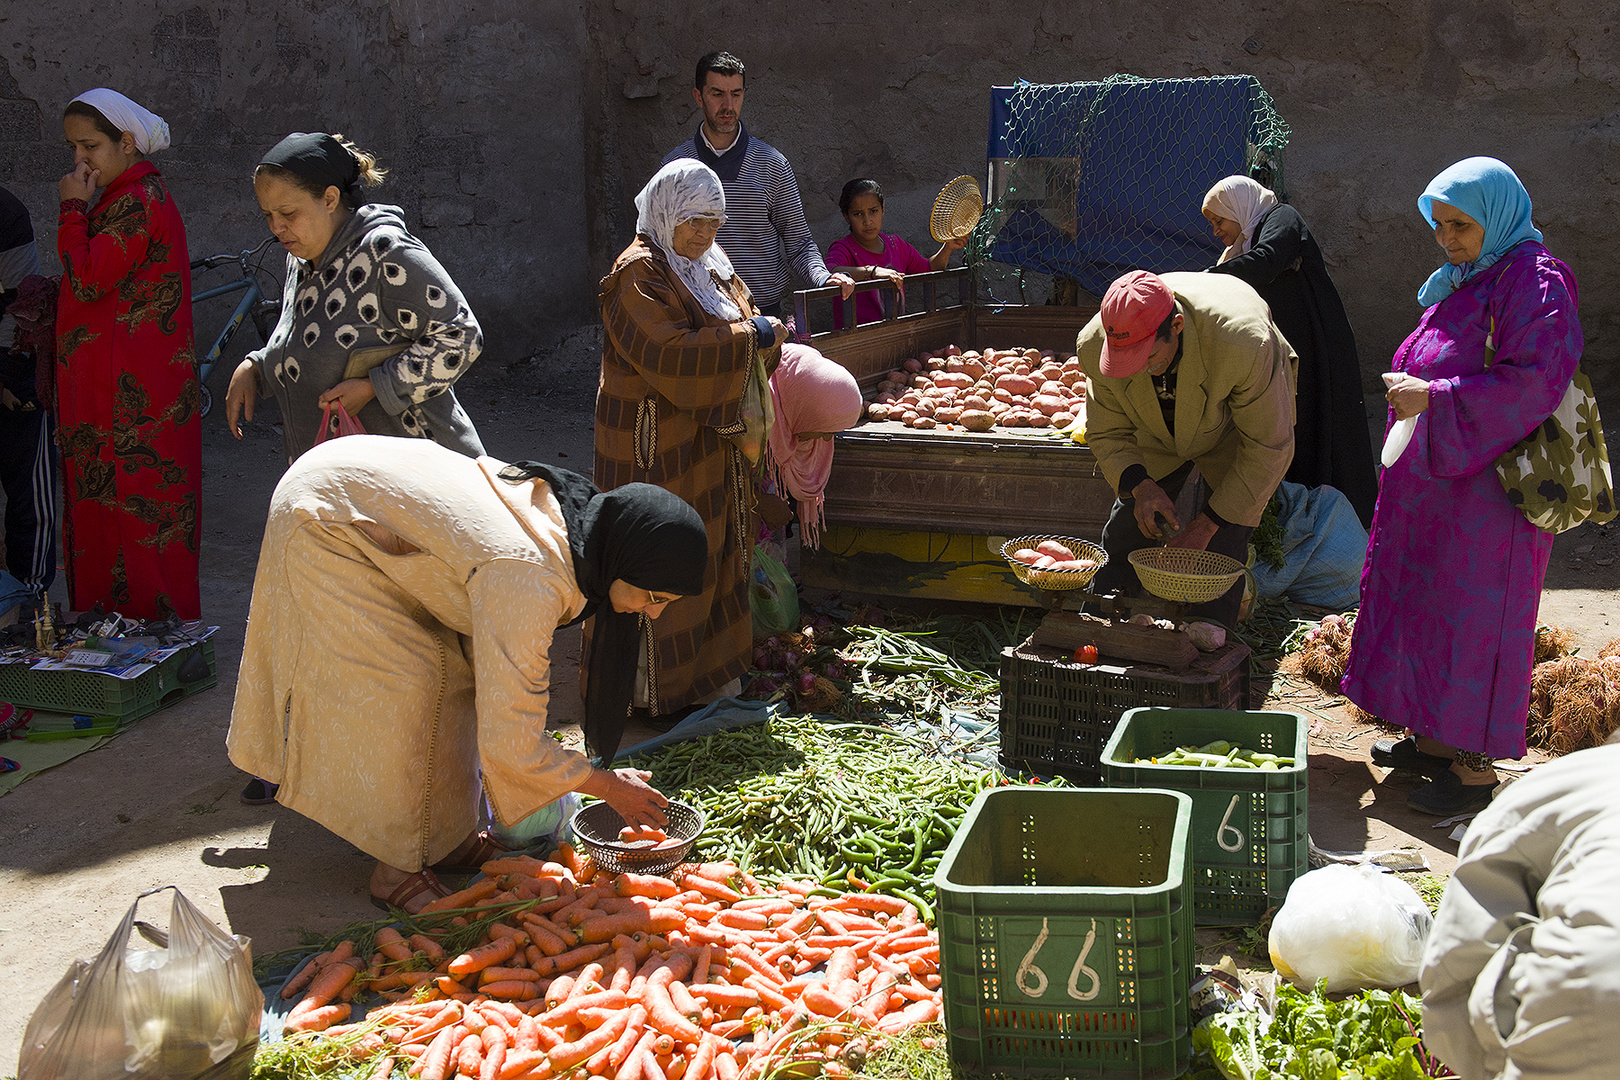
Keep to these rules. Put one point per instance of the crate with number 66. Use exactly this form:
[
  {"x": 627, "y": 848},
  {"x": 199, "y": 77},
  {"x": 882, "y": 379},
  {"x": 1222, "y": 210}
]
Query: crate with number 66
[
  {"x": 1065, "y": 934},
  {"x": 1249, "y": 826}
]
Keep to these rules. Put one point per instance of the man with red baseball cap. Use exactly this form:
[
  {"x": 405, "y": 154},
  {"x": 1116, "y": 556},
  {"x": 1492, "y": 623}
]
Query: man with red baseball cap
[{"x": 1185, "y": 370}]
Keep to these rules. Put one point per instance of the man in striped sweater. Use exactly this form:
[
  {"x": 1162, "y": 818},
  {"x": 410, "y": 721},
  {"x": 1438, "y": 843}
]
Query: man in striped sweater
[{"x": 765, "y": 230}]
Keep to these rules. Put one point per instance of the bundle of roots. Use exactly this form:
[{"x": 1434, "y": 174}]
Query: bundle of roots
[
  {"x": 1321, "y": 658},
  {"x": 1575, "y": 702}
]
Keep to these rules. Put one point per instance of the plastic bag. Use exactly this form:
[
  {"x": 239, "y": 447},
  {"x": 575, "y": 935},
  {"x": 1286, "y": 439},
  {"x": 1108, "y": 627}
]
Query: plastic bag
[
  {"x": 1353, "y": 926},
  {"x": 772, "y": 596},
  {"x": 757, "y": 413},
  {"x": 339, "y": 426},
  {"x": 184, "y": 1011},
  {"x": 549, "y": 822}
]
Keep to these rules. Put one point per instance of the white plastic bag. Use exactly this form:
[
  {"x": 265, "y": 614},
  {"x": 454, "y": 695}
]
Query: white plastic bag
[
  {"x": 1400, "y": 432},
  {"x": 1353, "y": 926},
  {"x": 187, "y": 1010}
]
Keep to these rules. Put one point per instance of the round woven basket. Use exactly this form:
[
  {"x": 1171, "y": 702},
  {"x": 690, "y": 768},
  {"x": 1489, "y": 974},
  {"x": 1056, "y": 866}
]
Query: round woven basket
[
  {"x": 1055, "y": 580},
  {"x": 1185, "y": 575},
  {"x": 597, "y": 826},
  {"x": 957, "y": 209}
]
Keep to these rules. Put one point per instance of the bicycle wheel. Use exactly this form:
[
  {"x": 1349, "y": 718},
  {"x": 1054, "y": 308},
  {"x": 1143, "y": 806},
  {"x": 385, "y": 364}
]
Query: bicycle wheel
[{"x": 266, "y": 313}]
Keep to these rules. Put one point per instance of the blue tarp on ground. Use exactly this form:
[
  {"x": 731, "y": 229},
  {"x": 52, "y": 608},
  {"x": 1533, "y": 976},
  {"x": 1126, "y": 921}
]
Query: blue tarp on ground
[
  {"x": 1324, "y": 547},
  {"x": 1146, "y": 152}
]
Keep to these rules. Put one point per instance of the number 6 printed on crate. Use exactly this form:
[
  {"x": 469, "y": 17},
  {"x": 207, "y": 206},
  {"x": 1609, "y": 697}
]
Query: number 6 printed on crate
[
  {"x": 1236, "y": 844},
  {"x": 1036, "y": 987}
]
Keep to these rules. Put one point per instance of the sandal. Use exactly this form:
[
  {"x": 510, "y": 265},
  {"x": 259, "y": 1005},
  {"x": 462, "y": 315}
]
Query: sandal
[
  {"x": 413, "y": 886},
  {"x": 1448, "y": 796},
  {"x": 471, "y": 861},
  {"x": 259, "y": 792},
  {"x": 1404, "y": 754}
]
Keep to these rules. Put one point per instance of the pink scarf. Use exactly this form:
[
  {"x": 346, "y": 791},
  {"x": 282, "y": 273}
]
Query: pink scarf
[{"x": 811, "y": 394}]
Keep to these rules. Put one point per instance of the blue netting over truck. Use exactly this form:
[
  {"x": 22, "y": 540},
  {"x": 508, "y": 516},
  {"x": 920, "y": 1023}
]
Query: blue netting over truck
[{"x": 1090, "y": 179}]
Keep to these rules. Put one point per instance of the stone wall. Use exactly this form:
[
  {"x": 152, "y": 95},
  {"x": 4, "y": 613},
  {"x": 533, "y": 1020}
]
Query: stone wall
[{"x": 520, "y": 132}]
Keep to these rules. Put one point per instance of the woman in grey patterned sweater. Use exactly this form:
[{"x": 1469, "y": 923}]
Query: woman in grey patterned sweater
[{"x": 369, "y": 319}]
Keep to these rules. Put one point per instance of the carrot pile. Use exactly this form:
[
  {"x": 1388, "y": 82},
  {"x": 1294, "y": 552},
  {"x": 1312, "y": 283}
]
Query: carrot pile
[{"x": 705, "y": 973}]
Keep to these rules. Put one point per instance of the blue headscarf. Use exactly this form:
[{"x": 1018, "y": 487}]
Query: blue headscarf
[{"x": 1489, "y": 192}]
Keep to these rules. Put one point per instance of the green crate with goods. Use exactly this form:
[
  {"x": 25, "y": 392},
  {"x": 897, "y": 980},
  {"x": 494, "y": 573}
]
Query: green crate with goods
[{"x": 1246, "y": 773}]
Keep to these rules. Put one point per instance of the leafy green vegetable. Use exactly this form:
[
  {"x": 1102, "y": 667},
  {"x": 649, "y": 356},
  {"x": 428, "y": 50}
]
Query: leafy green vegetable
[{"x": 1373, "y": 1036}]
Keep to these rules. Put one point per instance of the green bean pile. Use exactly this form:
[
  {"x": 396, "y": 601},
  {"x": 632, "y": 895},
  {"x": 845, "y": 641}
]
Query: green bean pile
[
  {"x": 902, "y": 674},
  {"x": 847, "y": 805}
]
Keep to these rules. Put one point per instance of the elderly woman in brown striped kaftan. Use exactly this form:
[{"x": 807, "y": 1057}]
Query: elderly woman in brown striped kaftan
[{"x": 682, "y": 348}]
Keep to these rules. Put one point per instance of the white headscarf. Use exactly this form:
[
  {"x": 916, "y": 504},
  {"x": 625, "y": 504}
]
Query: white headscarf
[
  {"x": 1239, "y": 199},
  {"x": 677, "y": 193},
  {"x": 150, "y": 130}
]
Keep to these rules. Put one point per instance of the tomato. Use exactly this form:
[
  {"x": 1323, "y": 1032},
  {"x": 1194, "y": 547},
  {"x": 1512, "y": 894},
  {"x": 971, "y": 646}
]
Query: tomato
[{"x": 1086, "y": 654}]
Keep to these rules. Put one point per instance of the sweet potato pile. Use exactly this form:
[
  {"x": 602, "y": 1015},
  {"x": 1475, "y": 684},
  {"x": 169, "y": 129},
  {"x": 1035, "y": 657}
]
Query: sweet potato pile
[{"x": 1010, "y": 388}]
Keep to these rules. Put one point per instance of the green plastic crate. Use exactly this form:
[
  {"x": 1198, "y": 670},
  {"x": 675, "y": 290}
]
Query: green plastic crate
[
  {"x": 1066, "y": 934},
  {"x": 92, "y": 693},
  {"x": 1249, "y": 826},
  {"x": 1057, "y": 715}
]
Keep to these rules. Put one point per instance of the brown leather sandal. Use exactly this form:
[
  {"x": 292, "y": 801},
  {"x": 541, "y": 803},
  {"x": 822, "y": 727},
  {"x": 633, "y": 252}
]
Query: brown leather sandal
[
  {"x": 413, "y": 886},
  {"x": 472, "y": 855}
]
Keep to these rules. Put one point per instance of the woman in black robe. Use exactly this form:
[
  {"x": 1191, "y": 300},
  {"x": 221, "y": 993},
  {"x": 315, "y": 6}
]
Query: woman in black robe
[{"x": 1269, "y": 246}]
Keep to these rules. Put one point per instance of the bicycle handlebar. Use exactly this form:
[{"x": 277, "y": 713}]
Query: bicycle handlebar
[{"x": 213, "y": 261}]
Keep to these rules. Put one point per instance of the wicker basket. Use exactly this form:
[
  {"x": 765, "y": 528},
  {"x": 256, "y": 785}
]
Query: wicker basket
[
  {"x": 597, "y": 829},
  {"x": 1055, "y": 580},
  {"x": 1185, "y": 575},
  {"x": 957, "y": 209}
]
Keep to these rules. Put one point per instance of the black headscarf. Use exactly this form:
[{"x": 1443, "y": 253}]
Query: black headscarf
[
  {"x": 649, "y": 537},
  {"x": 321, "y": 160}
]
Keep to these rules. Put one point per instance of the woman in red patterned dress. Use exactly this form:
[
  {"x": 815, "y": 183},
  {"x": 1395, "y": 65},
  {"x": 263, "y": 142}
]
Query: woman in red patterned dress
[{"x": 127, "y": 386}]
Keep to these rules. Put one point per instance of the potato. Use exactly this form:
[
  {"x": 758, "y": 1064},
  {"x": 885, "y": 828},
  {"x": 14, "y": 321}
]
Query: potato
[
  {"x": 1058, "y": 551},
  {"x": 934, "y": 364},
  {"x": 913, "y": 365},
  {"x": 952, "y": 350},
  {"x": 949, "y": 414},
  {"x": 973, "y": 366},
  {"x": 974, "y": 401},
  {"x": 1053, "y": 386},
  {"x": 1062, "y": 419},
  {"x": 923, "y": 423},
  {"x": 1049, "y": 404},
  {"x": 1018, "y": 385},
  {"x": 958, "y": 380},
  {"x": 1073, "y": 564},
  {"x": 1027, "y": 556},
  {"x": 925, "y": 408},
  {"x": 977, "y": 419},
  {"x": 1040, "y": 420},
  {"x": 1043, "y": 562},
  {"x": 921, "y": 382},
  {"x": 876, "y": 411},
  {"x": 906, "y": 417}
]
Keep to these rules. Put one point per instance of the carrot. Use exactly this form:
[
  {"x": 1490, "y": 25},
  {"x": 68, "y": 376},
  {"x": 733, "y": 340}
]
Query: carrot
[
  {"x": 818, "y": 999},
  {"x": 614, "y": 1056},
  {"x": 918, "y": 1012},
  {"x": 725, "y": 996},
  {"x": 841, "y": 967},
  {"x": 483, "y": 956},
  {"x": 649, "y": 885},
  {"x": 384, "y": 1069},
  {"x": 573, "y": 958},
  {"x": 513, "y": 989},
  {"x": 435, "y": 1063},
  {"x": 558, "y": 991},
  {"x": 516, "y": 864},
  {"x": 504, "y": 974},
  {"x": 566, "y": 1013},
  {"x": 700, "y": 965},
  {"x": 544, "y": 933},
  {"x": 449, "y": 987},
  {"x": 743, "y": 920},
  {"x": 570, "y": 1054},
  {"x": 750, "y": 958},
  {"x": 468, "y": 897},
  {"x": 500, "y": 930},
  {"x": 317, "y": 1017},
  {"x": 403, "y": 979},
  {"x": 725, "y": 1066},
  {"x": 588, "y": 981},
  {"x": 329, "y": 983},
  {"x": 875, "y": 902},
  {"x": 427, "y": 946},
  {"x": 662, "y": 1014},
  {"x": 469, "y": 1055},
  {"x": 521, "y": 1063},
  {"x": 769, "y": 994},
  {"x": 684, "y": 1002},
  {"x": 494, "y": 1052},
  {"x": 302, "y": 979},
  {"x": 710, "y": 887}
]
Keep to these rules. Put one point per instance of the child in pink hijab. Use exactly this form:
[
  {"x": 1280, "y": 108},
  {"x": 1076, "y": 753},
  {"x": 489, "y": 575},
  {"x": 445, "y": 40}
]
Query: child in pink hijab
[{"x": 815, "y": 399}]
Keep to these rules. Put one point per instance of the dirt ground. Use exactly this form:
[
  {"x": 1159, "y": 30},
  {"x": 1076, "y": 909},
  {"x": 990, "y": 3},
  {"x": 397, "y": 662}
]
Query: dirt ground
[{"x": 158, "y": 805}]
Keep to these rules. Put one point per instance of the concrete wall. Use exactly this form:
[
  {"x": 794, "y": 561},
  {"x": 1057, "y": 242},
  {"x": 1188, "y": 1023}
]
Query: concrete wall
[
  {"x": 519, "y": 132},
  {"x": 475, "y": 107}
]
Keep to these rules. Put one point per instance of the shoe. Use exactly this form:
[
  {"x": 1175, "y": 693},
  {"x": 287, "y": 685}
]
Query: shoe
[
  {"x": 667, "y": 721},
  {"x": 418, "y": 883},
  {"x": 1404, "y": 754},
  {"x": 483, "y": 849},
  {"x": 259, "y": 792},
  {"x": 1448, "y": 796}
]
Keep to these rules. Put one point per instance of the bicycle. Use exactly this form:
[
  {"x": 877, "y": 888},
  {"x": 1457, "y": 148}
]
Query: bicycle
[{"x": 264, "y": 310}]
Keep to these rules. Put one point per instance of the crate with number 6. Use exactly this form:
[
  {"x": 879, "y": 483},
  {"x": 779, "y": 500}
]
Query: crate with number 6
[
  {"x": 1249, "y": 825},
  {"x": 1066, "y": 935}
]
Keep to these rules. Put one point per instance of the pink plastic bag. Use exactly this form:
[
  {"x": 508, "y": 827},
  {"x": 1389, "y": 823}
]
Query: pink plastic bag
[{"x": 336, "y": 423}]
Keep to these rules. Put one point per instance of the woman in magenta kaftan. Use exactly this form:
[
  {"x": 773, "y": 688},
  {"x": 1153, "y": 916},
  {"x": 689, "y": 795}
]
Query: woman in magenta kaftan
[
  {"x": 127, "y": 388},
  {"x": 1445, "y": 639}
]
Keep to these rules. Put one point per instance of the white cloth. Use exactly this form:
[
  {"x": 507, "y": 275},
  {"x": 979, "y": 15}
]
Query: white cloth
[
  {"x": 1239, "y": 199},
  {"x": 677, "y": 193},
  {"x": 150, "y": 130}
]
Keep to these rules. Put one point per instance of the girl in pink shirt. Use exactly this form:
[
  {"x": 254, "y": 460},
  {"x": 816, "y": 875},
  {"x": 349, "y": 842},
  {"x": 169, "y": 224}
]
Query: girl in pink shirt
[{"x": 868, "y": 252}]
